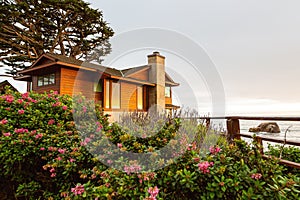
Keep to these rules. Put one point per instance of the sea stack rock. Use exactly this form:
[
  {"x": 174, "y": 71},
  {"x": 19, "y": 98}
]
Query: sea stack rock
[{"x": 269, "y": 127}]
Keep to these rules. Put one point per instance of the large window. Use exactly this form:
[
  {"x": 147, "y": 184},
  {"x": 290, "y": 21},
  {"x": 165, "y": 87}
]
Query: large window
[
  {"x": 140, "y": 97},
  {"x": 167, "y": 91},
  {"x": 44, "y": 80},
  {"x": 116, "y": 95},
  {"x": 112, "y": 94}
]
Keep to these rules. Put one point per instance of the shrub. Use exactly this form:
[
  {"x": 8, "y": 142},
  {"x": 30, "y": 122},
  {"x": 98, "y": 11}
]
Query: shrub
[
  {"x": 56, "y": 147},
  {"x": 291, "y": 153}
]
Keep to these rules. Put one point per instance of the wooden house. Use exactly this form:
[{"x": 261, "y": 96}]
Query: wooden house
[{"x": 132, "y": 89}]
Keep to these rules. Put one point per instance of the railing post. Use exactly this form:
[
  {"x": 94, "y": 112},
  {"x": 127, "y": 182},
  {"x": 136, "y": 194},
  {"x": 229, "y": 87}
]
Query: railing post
[
  {"x": 233, "y": 129},
  {"x": 207, "y": 122},
  {"x": 260, "y": 144}
]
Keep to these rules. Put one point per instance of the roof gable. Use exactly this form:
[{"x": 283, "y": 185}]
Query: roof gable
[
  {"x": 170, "y": 81},
  {"x": 5, "y": 83},
  {"x": 130, "y": 72}
]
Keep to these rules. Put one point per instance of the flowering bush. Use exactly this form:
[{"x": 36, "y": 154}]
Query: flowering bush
[{"x": 47, "y": 152}]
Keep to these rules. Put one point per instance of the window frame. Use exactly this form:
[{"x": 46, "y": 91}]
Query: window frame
[
  {"x": 112, "y": 96},
  {"x": 169, "y": 92},
  {"x": 108, "y": 94},
  {"x": 140, "y": 97},
  {"x": 46, "y": 80}
]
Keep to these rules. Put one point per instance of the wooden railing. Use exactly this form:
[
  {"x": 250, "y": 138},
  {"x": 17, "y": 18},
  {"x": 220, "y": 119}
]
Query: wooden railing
[{"x": 233, "y": 132}]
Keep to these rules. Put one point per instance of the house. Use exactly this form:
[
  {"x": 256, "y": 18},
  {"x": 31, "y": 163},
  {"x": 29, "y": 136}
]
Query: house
[
  {"x": 4, "y": 84},
  {"x": 132, "y": 89}
]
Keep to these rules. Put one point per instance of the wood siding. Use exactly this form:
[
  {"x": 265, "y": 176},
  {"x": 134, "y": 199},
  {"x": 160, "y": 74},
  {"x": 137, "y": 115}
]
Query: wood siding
[
  {"x": 128, "y": 96},
  {"x": 84, "y": 82},
  {"x": 168, "y": 100},
  {"x": 143, "y": 75},
  {"x": 46, "y": 88}
]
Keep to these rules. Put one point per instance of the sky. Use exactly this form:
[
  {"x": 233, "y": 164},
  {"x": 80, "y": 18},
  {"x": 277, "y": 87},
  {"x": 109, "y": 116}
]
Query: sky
[{"x": 254, "y": 46}]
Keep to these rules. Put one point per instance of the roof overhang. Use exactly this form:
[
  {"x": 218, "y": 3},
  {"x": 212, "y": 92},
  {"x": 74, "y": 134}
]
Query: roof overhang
[
  {"x": 133, "y": 80},
  {"x": 23, "y": 78}
]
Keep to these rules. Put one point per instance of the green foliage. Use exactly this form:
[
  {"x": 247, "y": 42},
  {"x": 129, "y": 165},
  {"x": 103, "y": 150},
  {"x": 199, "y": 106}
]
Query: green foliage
[
  {"x": 28, "y": 28},
  {"x": 51, "y": 147},
  {"x": 290, "y": 153}
]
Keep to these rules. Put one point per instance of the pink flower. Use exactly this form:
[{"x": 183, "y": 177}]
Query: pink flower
[
  {"x": 32, "y": 100},
  {"x": 53, "y": 175},
  {"x": 214, "y": 150},
  {"x": 7, "y": 134},
  {"x": 153, "y": 192},
  {"x": 65, "y": 107},
  {"x": 59, "y": 158},
  {"x": 9, "y": 98},
  {"x": 25, "y": 95},
  {"x": 38, "y": 136},
  {"x": 51, "y": 121},
  {"x": 256, "y": 176},
  {"x": 72, "y": 160},
  {"x": 62, "y": 151},
  {"x": 42, "y": 149},
  {"x": 3, "y": 121},
  {"x": 85, "y": 141},
  {"x": 20, "y": 101},
  {"x": 52, "y": 170},
  {"x": 51, "y": 149},
  {"x": 78, "y": 190},
  {"x": 55, "y": 92},
  {"x": 21, "y": 111},
  {"x": 56, "y": 104},
  {"x": 134, "y": 168},
  {"x": 203, "y": 166},
  {"x": 109, "y": 162},
  {"x": 119, "y": 145},
  {"x": 21, "y": 130},
  {"x": 84, "y": 108}
]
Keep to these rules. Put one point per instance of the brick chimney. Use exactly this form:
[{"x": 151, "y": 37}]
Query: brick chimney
[{"x": 157, "y": 76}]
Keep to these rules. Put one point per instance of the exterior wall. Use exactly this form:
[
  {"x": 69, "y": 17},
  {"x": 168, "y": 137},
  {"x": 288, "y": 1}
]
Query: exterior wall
[
  {"x": 144, "y": 75},
  {"x": 84, "y": 82},
  {"x": 168, "y": 100},
  {"x": 46, "y": 88},
  {"x": 128, "y": 96}
]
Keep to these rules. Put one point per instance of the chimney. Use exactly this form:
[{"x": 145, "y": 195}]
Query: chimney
[{"x": 157, "y": 76}]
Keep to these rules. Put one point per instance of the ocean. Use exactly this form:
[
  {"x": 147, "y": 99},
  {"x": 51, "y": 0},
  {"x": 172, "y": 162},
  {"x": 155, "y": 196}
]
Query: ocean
[{"x": 292, "y": 128}]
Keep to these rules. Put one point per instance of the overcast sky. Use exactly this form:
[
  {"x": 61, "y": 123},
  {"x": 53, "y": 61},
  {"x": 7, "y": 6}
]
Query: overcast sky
[{"x": 254, "y": 45}]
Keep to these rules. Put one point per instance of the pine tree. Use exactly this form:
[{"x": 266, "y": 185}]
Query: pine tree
[{"x": 28, "y": 28}]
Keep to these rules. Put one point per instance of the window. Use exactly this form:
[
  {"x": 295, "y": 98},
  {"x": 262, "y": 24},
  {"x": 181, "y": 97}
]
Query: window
[
  {"x": 140, "y": 97},
  {"x": 44, "y": 80},
  {"x": 112, "y": 94},
  {"x": 98, "y": 86},
  {"x": 107, "y": 94},
  {"x": 116, "y": 95},
  {"x": 167, "y": 91}
]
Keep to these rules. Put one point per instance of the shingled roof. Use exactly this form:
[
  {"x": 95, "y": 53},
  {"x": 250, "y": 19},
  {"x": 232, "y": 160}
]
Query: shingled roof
[{"x": 60, "y": 59}]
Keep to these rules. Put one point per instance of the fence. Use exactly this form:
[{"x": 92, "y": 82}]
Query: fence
[{"x": 233, "y": 132}]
